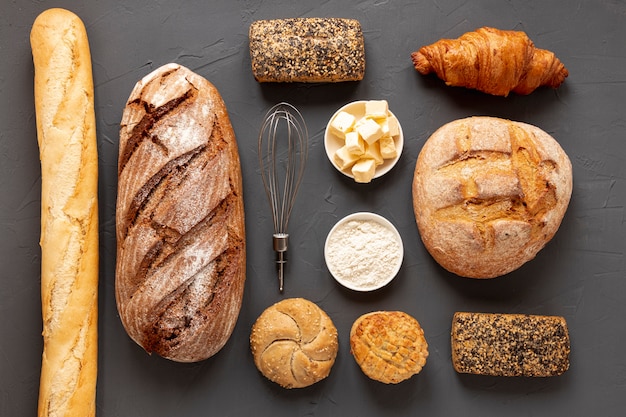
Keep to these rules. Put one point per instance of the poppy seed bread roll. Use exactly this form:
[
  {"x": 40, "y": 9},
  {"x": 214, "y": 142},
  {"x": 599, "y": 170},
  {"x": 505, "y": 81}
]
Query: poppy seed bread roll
[
  {"x": 489, "y": 194},
  {"x": 181, "y": 260},
  {"x": 307, "y": 50},
  {"x": 510, "y": 344}
]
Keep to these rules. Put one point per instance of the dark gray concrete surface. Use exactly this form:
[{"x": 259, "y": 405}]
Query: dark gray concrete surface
[{"x": 579, "y": 275}]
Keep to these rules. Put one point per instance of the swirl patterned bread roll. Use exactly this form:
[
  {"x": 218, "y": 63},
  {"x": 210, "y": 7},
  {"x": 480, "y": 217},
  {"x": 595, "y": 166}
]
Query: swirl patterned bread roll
[
  {"x": 509, "y": 344},
  {"x": 66, "y": 132},
  {"x": 488, "y": 194},
  {"x": 294, "y": 343},
  {"x": 307, "y": 50},
  {"x": 181, "y": 260}
]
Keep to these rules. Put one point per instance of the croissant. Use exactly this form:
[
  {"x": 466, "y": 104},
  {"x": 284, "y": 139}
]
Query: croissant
[{"x": 492, "y": 61}]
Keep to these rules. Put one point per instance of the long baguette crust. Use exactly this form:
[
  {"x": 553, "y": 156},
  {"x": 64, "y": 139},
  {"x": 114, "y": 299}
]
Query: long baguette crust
[
  {"x": 180, "y": 221},
  {"x": 66, "y": 132}
]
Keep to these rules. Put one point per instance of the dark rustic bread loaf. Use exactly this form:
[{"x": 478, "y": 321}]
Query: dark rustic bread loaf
[
  {"x": 180, "y": 223},
  {"x": 509, "y": 344},
  {"x": 488, "y": 194},
  {"x": 307, "y": 50}
]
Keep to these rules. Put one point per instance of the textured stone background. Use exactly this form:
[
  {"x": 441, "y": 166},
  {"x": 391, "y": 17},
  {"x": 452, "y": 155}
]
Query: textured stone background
[{"x": 579, "y": 275}]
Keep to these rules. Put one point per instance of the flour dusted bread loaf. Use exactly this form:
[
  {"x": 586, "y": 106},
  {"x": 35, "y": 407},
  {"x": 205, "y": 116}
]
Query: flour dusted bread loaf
[
  {"x": 66, "y": 132},
  {"x": 180, "y": 223},
  {"x": 509, "y": 344},
  {"x": 294, "y": 343},
  {"x": 488, "y": 194},
  {"x": 389, "y": 346},
  {"x": 307, "y": 50}
]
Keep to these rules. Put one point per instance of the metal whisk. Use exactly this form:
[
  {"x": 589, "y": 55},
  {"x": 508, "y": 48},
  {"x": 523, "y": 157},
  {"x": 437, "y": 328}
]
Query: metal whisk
[{"x": 283, "y": 149}]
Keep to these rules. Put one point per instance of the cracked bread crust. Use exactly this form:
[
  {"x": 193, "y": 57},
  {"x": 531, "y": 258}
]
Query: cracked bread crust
[
  {"x": 294, "y": 343},
  {"x": 389, "y": 346},
  {"x": 488, "y": 194},
  {"x": 179, "y": 221}
]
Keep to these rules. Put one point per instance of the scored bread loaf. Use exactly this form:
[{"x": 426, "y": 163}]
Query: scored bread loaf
[
  {"x": 181, "y": 259},
  {"x": 510, "y": 344},
  {"x": 294, "y": 343},
  {"x": 307, "y": 50},
  {"x": 488, "y": 194},
  {"x": 66, "y": 133}
]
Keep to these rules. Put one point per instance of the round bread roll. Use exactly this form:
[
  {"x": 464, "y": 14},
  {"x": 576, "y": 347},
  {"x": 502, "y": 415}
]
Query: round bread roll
[
  {"x": 488, "y": 194},
  {"x": 389, "y": 346},
  {"x": 294, "y": 343}
]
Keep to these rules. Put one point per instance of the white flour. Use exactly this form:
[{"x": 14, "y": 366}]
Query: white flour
[{"x": 363, "y": 253}]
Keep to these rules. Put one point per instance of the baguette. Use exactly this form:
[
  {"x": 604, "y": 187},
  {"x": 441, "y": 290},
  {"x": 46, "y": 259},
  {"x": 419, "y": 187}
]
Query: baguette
[
  {"x": 510, "y": 344},
  {"x": 66, "y": 133},
  {"x": 309, "y": 50},
  {"x": 180, "y": 223}
]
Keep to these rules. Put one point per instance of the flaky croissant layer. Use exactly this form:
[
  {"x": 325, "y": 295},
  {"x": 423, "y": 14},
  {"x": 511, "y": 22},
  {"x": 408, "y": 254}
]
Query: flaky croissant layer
[{"x": 491, "y": 60}]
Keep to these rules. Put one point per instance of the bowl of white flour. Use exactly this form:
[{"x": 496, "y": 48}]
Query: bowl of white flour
[{"x": 363, "y": 251}]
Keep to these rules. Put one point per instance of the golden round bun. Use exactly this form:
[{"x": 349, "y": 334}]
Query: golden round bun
[
  {"x": 389, "y": 346},
  {"x": 294, "y": 343},
  {"x": 488, "y": 194}
]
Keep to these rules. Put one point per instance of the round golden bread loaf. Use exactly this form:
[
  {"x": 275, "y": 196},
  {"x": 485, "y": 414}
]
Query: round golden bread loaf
[
  {"x": 294, "y": 343},
  {"x": 389, "y": 346},
  {"x": 488, "y": 194}
]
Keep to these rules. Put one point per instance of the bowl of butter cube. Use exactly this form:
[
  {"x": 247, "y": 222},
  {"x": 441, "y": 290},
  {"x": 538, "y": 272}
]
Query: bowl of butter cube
[{"x": 364, "y": 140}]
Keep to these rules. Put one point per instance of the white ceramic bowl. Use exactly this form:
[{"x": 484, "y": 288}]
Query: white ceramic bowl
[
  {"x": 332, "y": 142},
  {"x": 365, "y": 258}
]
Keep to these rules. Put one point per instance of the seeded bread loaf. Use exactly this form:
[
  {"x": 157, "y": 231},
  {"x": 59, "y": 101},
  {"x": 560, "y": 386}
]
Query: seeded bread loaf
[
  {"x": 510, "y": 344},
  {"x": 181, "y": 258},
  {"x": 488, "y": 194},
  {"x": 307, "y": 50},
  {"x": 294, "y": 343},
  {"x": 389, "y": 346},
  {"x": 66, "y": 132}
]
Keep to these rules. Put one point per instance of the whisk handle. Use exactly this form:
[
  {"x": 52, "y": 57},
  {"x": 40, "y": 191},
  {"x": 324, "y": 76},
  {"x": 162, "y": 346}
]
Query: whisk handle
[
  {"x": 280, "y": 242},
  {"x": 280, "y": 246}
]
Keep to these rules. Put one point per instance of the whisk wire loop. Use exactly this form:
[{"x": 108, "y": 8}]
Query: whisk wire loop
[{"x": 283, "y": 150}]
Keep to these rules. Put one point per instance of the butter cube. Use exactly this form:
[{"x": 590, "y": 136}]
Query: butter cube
[
  {"x": 372, "y": 151},
  {"x": 341, "y": 124},
  {"x": 369, "y": 130},
  {"x": 344, "y": 159},
  {"x": 387, "y": 147},
  {"x": 363, "y": 171},
  {"x": 376, "y": 109},
  {"x": 394, "y": 127},
  {"x": 354, "y": 144},
  {"x": 384, "y": 126}
]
